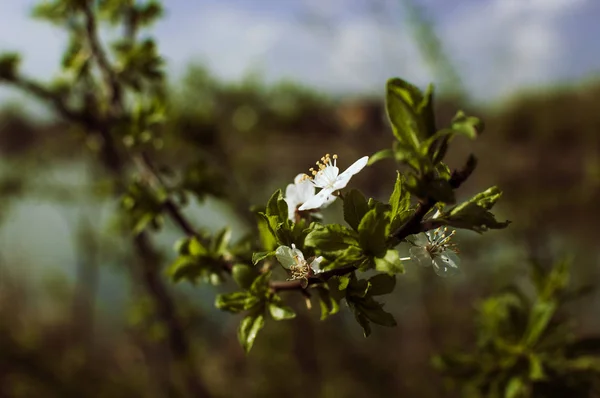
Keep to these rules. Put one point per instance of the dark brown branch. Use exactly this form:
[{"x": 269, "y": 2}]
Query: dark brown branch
[{"x": 107, "y": 71}]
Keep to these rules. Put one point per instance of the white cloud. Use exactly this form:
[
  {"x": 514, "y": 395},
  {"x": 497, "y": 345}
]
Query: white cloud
[
  {"x": 503, "y": 45},
  {"x": 499, "y": 45}
]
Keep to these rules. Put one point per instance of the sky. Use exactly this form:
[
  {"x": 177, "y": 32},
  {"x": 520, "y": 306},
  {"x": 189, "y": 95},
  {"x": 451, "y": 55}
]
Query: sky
[{"x": 353, "y": 46}]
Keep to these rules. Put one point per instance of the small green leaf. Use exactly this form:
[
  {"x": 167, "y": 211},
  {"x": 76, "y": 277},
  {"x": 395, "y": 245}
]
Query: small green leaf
[
  {"x": 221, "y": 241},
  {"x": 372, "y": 233},
  {"x": 265, "y": 232},
  {"x": 400, "y": 198},
  {"x": 362, "y": 320},
  {"x": 243, "y": 275},
  {"x": 277, "y": 207},
  {"x": 540, "y": 316},
  {"x": 344, "y": 282},
  {"x": 475, "y": 214},
  {"x": 331, "y": 238},
  {"x": 515, "y": 388},
  {"x": 375, "y": 313},
  {"x": 390, "y": 263},
  {"x": 382, "y": 284},
  {"x": 467, "y": 125},
  {"x": 184, "y": 267},
  {"x": 234, "y": 302},
  {"x": 280, "y": 312},
  {"x": 402, "y": 99},
  {"x": 358, "y": 288},
  {"x": 196, "y": 248},
  {"x": 536, "y": 369},
  {"x": 355, "y": 207},
  {"x": 259, "y": 256},
  {"x": 248, "y": 330},
  {"x": 440, "y": 190},
  {"x": 329, "y": 305},
  {"x": 260, "y": 286},
  {"x": 380, "y": 155}
]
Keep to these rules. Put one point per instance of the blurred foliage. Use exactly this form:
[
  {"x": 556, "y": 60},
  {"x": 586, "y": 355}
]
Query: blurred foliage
[
  {"x": 238, "y": 142},
  {"x": 525, "y": 348}
]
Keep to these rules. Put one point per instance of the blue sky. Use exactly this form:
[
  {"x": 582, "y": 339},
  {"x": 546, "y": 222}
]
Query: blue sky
[{"x": 341, "y": 46}]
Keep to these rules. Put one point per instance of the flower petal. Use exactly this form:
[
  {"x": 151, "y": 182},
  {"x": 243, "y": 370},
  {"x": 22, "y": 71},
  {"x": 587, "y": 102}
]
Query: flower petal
[
  {"x": 420, "y": 239},
  {"x": 317, "y": 201},
  {"x": 291, "y": 209},
  {"x": 285, "y": 256},
  {"x": 299, "y": 178},
  {"x": 446, "y": 264},
  {"x": 343, "y": 179},
  {"x": 420, "y": 255},
  {"x": 304, "y": 191},
  {"x": 329, "y": 200},
  {"x": 297, "y": 252},
  {"x": 316, "y": 264},
  {"x": 326, "y": 176},
  {"x": 291, "y": 193}
]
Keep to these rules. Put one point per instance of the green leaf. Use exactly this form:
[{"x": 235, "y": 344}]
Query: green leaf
[
  {"x": 344, "y": 282},
  {"x": 400, "y": 198},
  {"x": 375, "y": 313},
  {"x": 221, "y": 241},
  {"x": 244, "y": 275},
  {"x": 184, "y": 267},
  {"x": 357, "y": 288},
  {"x": 382, "y": 284},
  {"x": 402, "y": 99},
  {"x": 426, "y": 110},
  {"x": 372, "y": 232},
  {"x": 362, "y": 320},
  {"x": 277, "y": 206},
  {"x": 515, "y": 388},
  {"x": 236, "y": 302},
  {"x": 466, "y": 125},
  {"x": 355, "y": 207},
  {"x": 440, "y": 190},
  {"x": 280, "y": 311},
  {"x": 400, "y": 203},
  {"x": 351, "y": 256},
  {"x": 265, "y": 233},
  {"x": 536, "y": 369},
  {"x": 475, "y": 214},
  {"x": 390, "y": 263},
  {"x": 540, "y": 316},
  {"x": 196, "y": 248},
  {"x": 380, "y": 155},
  {"x": 329, "y": 305},
  {"x": 248, "y": 330},
  {"x": 260, "y": 286},
  {"x": 259, "y": 256},
  {"x": 331, "y": 238}
]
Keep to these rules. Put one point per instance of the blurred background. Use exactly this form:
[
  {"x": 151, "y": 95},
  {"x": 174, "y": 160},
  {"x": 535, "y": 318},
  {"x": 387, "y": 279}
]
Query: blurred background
[{"x": 262, "y": 89}]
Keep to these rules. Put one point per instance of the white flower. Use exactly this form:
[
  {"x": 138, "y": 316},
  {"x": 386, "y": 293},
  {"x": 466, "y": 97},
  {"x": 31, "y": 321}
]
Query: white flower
[
  {"x": 293, "y": 259},
  {"x": 298, "y": 193},
  {"x": 434, "y": 248},
  {"x": 329, "y": 179}
]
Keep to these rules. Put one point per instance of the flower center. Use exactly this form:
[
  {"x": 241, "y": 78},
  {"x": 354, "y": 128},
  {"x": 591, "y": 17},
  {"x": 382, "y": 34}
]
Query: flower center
[
  {"x": 440, "y": 241},
  {"x": 326, "y": 175},
  {"x": 300, "y": 270}
]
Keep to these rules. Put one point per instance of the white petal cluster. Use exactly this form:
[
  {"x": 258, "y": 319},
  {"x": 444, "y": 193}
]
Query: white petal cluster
[
  {"x": 293, "y": 259},
  {"x": 300, "y": 196},
  {"x": 435, "y": 249}
]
